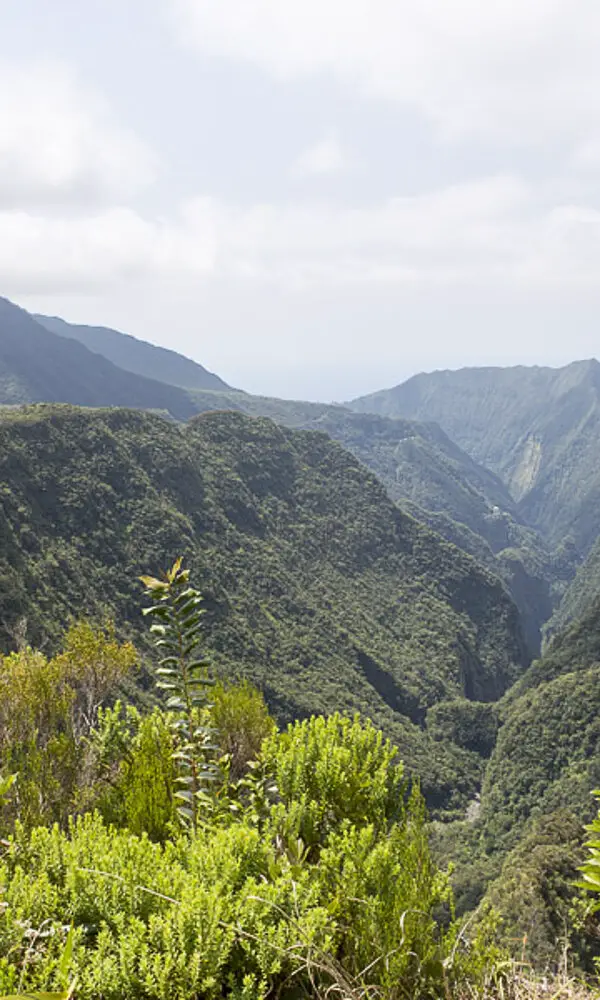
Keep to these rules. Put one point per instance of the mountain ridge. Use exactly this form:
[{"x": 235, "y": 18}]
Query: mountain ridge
[
  {"x": 416, "y": 461},
  {"x": 535, "y": 427},
  {"x": 37, "y": 365},
  {"x": 136, "y": 355}
]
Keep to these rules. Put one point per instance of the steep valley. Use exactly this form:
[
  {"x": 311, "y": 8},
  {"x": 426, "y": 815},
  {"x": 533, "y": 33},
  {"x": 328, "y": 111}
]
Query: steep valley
[
  {"x": 44, "y": 359},
  {"x": 400, "y": 557},
  {"x": 321, "y": 590}
]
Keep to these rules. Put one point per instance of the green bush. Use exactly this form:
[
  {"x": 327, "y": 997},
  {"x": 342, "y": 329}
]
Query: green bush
[
  {"x": 233, "y": 910},
  {"x": 135, "y": 771},
  {"x": 241, "y": 722},
  {"x": 332, "y": 769},
  {"x": 48, "y": 708}
]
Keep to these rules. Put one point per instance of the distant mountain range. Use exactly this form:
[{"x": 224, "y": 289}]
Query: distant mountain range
[
  {"x": 536, "y": 428},
  {"x": 136, "y": 356},
  {"x": 39, "y": 366}
]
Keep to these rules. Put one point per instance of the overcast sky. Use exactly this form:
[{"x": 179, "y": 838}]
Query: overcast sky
[{"x": 314, "y": 198}]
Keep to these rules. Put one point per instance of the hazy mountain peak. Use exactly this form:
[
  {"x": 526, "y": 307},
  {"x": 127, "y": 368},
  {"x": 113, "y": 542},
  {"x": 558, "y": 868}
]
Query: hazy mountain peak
[
  {"x": 536, "y": 427},
  {"x": 137, "y": 356},
  {"x": 37, "y": 365}
]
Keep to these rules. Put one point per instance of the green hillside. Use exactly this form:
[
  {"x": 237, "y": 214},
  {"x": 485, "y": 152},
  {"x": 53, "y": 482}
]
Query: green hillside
[
  {"x": 439, "y": 484},
  {"x": 420, "y": 466},
  {"x": 536, "y": 795},
  {"x": 320, "y": 589},
  {"x": 137, "y": 356},
  {"x": 39, "y": 366},
  {"x": 547, "y": 755},
  {"x": 416, "y": 461},
  {"x": 536, "y": 428},
  {"x": 523, "y": 841},
  {"x": 532, "y": 576},
  {"x": 582, "y": 593}
]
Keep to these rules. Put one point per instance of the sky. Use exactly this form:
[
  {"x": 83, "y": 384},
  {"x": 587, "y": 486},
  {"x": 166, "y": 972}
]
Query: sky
[{"x": 313, "y": 198}]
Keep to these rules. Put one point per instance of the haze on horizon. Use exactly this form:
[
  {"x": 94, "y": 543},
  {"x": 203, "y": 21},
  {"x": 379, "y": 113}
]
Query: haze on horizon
[{"x": 312, "y": 199}]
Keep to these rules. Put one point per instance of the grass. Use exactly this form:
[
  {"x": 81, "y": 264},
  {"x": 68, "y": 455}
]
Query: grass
[{"x": 520, "y": 985}]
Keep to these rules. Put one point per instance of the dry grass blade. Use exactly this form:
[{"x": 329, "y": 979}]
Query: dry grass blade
[{"x": 522, "y": 986}]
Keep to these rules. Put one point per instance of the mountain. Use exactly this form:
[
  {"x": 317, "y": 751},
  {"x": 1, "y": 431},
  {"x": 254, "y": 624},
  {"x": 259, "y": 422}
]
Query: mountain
[
  {"x": 416, "y": 461},
  {"x": 547, "y": 755},
  {"x": 137, "y": 356},
  {"x": 420, "y": 466},
  {"x": 319, "y": 589},
  {"x": 536, "y": 428},
  {"x": 39, "y": 366},
  {"x": 440, "y": 485}
]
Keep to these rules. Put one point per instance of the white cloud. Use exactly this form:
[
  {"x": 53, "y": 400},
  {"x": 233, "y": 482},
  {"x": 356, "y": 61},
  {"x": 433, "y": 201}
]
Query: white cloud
[
  {"x": 95, "y": 252},
  {"x": 518, "y": 70},
  {"x": 323, "y": 159},
  {"x": 454, "y": 231},
  {"x": 495, "y": 230},
  {"x": 60, "y": 145}
]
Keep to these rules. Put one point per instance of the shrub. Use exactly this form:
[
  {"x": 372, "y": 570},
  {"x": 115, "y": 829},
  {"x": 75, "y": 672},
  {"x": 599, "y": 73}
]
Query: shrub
[
  {"x": 136, "y": 771},
  {"x": 242, "y": 722},
  {"x": 591, "y": 868},
  {"x": 47, "y": 709},
  {"x": 231, "y": 910},
  {"x": 332, "y": 769}
]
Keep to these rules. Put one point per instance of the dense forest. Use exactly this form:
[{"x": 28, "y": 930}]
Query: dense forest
[
  {"x": 350, "y": 745},
  {"x": 319, "y": 589}
]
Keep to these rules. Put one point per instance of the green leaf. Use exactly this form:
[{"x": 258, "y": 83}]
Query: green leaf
[{"x": 67, "y": 955}]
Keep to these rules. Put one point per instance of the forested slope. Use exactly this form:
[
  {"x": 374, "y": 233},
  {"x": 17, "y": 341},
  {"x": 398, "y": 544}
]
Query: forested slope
[
  {"x": 319, "y": 588},
  {"x": 440, "y": 485},
  {"x": 524, "y": 840},
  {"x": 547, "y": 755},
  {"x": 415, "y": 460},
  {"x": 582, "y": 593},
  {"x": 42, "y": 359}
]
